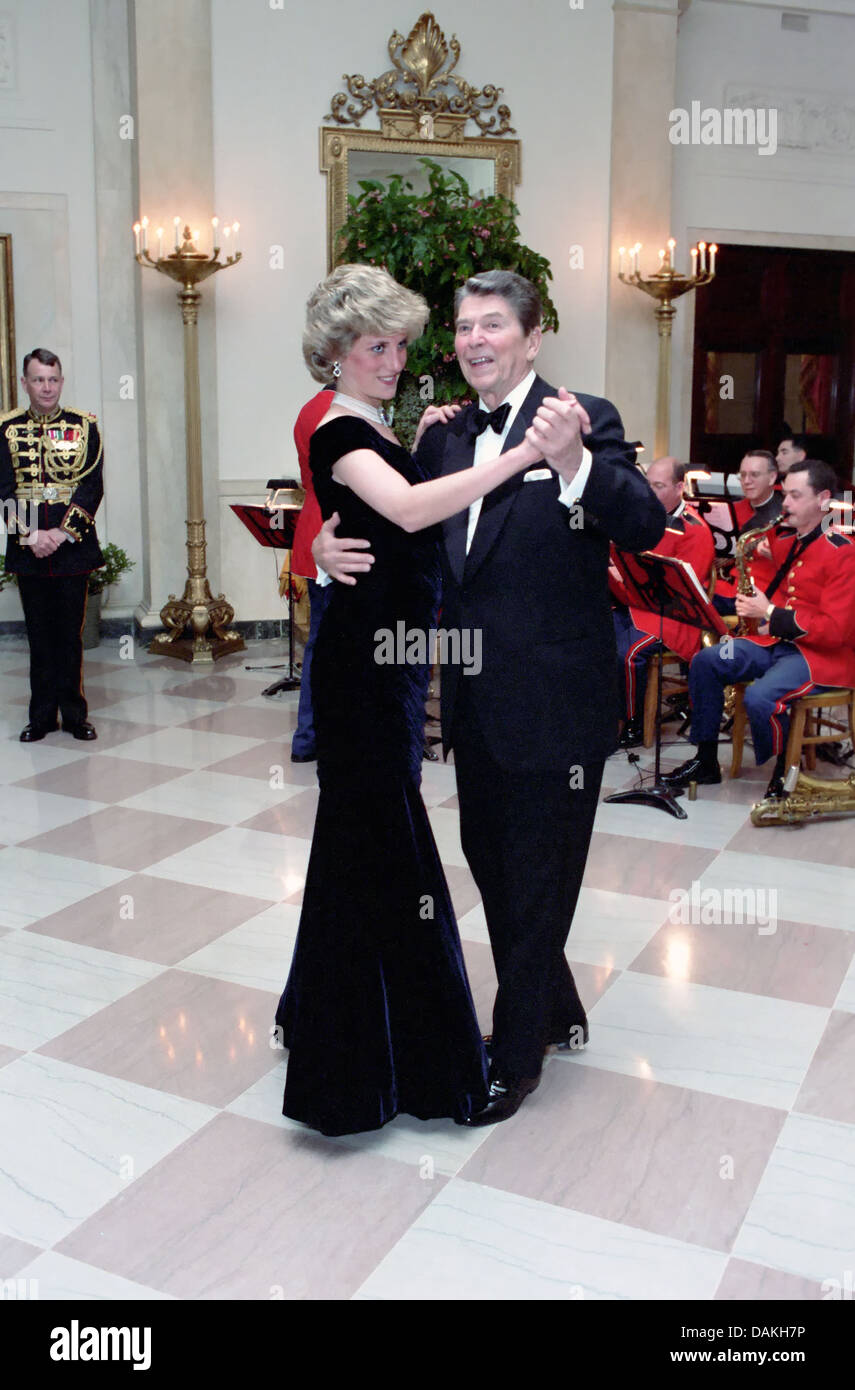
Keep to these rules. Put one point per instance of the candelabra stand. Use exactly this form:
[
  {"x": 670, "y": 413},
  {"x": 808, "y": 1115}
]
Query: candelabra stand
[
  {"x": 666, "y": 286},
  {"x": 206, "y": 617}
]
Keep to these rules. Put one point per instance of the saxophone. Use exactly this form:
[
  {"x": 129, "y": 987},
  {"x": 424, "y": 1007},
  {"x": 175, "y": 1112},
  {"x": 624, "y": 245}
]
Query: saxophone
[{"x": 744, "y": 551}]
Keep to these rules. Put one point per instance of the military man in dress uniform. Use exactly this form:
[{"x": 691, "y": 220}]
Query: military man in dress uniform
[{"x": 51, "y": 485}]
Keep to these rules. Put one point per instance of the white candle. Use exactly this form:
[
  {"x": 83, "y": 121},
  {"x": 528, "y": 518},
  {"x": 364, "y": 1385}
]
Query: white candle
[
  {"x": 160, "y": 243},
  {"x": 196, "y": 238},
  {"x": 144, "y": 225},
  {"x": 621, "y": 253},
  {"x": 661, "y": 259},
  {"x": 637, "y": 249},
  {"x": 227, "y": 231},
  {"x": 137, "y": 236},
  {"x": 702, "y": 247},
  {"x": 713, "y": 250},
  {"x": 694, "y": 261},
  {"x": 215, "y": 222},
  {"x": 176, "y": 222},
  {"x": 236, "y": 229},
  {"x": 671, "y": 245}
]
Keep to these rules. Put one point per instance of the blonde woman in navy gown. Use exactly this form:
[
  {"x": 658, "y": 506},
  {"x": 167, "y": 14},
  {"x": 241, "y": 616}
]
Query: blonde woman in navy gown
[{"x": 377, "y": 1013}]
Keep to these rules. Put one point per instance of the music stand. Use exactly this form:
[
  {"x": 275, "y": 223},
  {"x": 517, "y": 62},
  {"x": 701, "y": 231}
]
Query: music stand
[
  {"x": 273, "y": 527},
  {"x": 665, "y": 585}
]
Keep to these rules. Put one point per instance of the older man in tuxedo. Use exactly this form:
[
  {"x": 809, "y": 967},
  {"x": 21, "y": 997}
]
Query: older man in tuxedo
[{"x": 527, "y": 570}]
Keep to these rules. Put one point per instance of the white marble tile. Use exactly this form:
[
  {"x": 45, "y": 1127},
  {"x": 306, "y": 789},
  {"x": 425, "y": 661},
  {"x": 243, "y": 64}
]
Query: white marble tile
[
  {"x": 438, "y": 783},
  {"x": 611, "y": 928},
  {"x": 156, "y": 708},
  {"x": 190, "y": 748},
  {"x": 48, "y": 985},
  {"x": 806, "y": 892},
  {"x": 475, "y": 1242},
  {"x": 257, "y": 953},
  {"x": 21, "y": 760},
  {"x": 802, "y": 1218},
  {"x": 473, "y": 925},
  {"x": 709, "y": 824},
  {"x": 36, "y": 883},
  {"x": 445, "y": 824},
  {"x": 75, "y": 1139},
  {"x": 251, "y": 862},
  {"x": 25, "y": 813},
  {"x": 846, "y": 997},
  {"x": 211, "y": 796},
  {"x": 60, "y": 1278},
  {"x": 745, "y": 1046}
]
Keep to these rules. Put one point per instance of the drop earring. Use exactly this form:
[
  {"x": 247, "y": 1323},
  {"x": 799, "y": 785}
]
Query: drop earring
[{"x": 336, "y": 370}]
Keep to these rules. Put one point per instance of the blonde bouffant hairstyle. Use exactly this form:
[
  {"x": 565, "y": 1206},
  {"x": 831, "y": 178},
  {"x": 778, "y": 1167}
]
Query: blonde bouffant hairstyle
[{"x": 355, "y": 300}]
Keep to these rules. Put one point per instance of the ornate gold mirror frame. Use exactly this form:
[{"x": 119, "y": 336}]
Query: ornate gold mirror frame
[{"x": 423, "y": 109}]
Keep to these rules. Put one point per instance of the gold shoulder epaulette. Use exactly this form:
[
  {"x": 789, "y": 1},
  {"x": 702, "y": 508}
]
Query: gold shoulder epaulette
[
  {"x": 87, "y": 414},
  {"x": 8, "y": 414}
]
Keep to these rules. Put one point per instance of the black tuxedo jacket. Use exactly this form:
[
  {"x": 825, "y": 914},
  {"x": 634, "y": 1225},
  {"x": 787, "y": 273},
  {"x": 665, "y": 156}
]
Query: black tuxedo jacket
[{"x": 534, "y": 585}]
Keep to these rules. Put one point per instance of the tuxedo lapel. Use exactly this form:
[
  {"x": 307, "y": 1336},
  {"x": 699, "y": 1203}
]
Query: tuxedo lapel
[
  {"x": 459, "y": 454},
  {"x": 498, "y": 503}
]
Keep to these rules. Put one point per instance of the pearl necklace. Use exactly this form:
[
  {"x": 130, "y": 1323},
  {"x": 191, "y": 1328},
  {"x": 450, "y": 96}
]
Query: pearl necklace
[{"x": 380, "y": 416}]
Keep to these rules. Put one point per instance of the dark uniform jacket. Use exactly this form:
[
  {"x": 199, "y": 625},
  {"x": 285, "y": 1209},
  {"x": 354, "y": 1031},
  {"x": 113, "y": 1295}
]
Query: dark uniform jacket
[{"x": 52, "y": 467}]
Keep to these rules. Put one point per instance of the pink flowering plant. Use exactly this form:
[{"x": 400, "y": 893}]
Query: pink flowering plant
[{"x": 432, "y": 242}]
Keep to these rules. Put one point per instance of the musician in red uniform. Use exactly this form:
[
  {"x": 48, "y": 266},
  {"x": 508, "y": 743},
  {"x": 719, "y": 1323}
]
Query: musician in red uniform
[
  {"x": 687, "y": 538},
  {"x": 760, "y": 505},
  {"x": 804, "y": 579}
]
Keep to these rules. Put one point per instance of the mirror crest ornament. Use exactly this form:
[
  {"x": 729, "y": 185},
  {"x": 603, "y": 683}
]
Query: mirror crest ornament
[{"x": 423, "y": 107}]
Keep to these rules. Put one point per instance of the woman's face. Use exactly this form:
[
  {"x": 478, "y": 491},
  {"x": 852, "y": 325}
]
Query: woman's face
[{"x": 371, "y": 369}]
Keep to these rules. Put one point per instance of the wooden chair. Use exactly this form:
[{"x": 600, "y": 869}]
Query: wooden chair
[
  {"x": 671, "y": 685},
  {"x": 807, "y": 722}
]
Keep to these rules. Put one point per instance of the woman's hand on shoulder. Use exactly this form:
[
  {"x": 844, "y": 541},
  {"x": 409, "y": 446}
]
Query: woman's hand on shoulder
[{"x": 435, "y": 415}]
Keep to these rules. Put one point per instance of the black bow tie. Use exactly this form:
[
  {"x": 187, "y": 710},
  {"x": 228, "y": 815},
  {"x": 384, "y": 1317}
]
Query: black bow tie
[{"x": 497, "y": 420}]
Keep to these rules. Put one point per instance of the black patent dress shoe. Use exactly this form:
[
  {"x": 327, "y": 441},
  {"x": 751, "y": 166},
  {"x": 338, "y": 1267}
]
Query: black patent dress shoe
[
  {"x": 693, "y": 771},
  {"x": 504, "y": 1098},
  {"x": 83, "y": 730},
  {"x": 34, "y": 732},
  {"x": 775, "y": 790},
  {"x": 633, "y": 734}
]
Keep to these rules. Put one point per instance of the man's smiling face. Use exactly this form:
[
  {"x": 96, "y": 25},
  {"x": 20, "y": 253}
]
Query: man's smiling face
[{"x": 493, "y": 350}]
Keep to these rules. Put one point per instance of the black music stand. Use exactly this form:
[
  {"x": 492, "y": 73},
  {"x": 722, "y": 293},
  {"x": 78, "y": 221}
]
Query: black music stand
[
  {"x": 274, "y": 529},
  {"x": 665, "y": 585}
]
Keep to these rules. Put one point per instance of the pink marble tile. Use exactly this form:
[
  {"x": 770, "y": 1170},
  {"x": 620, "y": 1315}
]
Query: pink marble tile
[
  {"x": 266, "y": 760},
  {"x": 169, "y": 921},
  {"x": 452, "y": 804},
  {"x": 634, "y": 1151},
  {"x": 296, "y": 816},
  {"x": 193, "y": 1036},
  {"x": 8, "y": 1054},
  {"x": 827, "y": 1090},
  {"x": 123, "y": 838},
  {"x": 744, "y": 1281},
  {"x": 796, "y": 961},
  {"x": 823, "y": 841},
  {"x": 248, "y": 722},
  {"x": 646, "y": 868},
  {"x": 102, "y": 778},
  {"x": 15, "y": 1255},
  {"x": 246, "y": 1210},
  {"x": 215, "y": 687}
]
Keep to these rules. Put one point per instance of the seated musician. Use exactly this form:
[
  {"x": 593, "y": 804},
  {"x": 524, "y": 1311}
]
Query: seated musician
[
  {"x": 759, "y": 505},
  {"x": 637, "y": 630},
  {"x": 804, "y": 602}
]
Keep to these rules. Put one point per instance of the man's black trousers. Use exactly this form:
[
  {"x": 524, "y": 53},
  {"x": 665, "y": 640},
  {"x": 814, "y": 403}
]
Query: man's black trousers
[{"x": 54, "y": 609}]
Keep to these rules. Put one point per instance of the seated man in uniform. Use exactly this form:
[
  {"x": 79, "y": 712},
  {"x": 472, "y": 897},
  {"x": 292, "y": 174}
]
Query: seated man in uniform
[
  {"x": 687, "y": 538},
  {"x": 759, "y": 505},
  {"x": 804, "y": 602},
  {"x": 791, "y": 450}
]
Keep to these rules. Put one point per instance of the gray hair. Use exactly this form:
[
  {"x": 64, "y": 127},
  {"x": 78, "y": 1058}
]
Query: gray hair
[
  {"x": 520, "y": 293},
  {"x": 354, "y": 300}
]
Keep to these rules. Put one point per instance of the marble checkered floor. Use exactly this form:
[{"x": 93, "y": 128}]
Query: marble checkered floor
[{"x": 702, "y": 1147}]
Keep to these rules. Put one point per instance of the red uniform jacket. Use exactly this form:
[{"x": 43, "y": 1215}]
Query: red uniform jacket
[
  {"x": 814, "y": 601},
  {"x": 688, "y": 538},
  {"x": 747, "y": 519},
  {"x": 309, "y": 521}
]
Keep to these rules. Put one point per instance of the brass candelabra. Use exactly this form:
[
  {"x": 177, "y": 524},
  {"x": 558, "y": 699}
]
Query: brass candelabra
[
  {"x": 665, "y": 286},
  {"x": 196, "y": 623}
]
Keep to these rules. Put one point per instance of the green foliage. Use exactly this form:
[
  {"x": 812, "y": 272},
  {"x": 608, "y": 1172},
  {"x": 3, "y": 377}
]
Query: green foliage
[{"x": 431, "y": 242}]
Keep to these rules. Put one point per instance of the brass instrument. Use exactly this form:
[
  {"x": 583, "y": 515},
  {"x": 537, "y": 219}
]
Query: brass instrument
[
  {"x": 806, "y": 798},
  {"x": 744, "y": 551}
]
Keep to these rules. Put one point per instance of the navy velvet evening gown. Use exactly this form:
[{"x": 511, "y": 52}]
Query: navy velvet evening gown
[{"x": 377, "y": 1012}]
